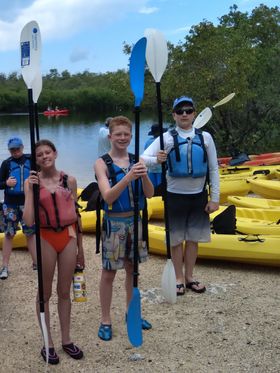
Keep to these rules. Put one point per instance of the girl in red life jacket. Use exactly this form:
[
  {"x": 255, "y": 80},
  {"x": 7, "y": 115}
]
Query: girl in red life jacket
[{"x": 61, "y": 239}]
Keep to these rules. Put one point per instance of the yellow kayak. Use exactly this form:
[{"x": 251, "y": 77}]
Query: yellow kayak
[
  {"x": 263, "y": 250},
  {"x": 254, "y": 202},
  {"x": 19, "y": 240},
  {"x": 266, "y": 188},
  {"x": 277, "y": 173},
  {"x": 272, "y": 215},
  {"x": 249, "y": 170}
]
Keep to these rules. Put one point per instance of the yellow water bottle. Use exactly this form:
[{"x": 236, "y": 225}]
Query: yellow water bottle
[{"x": 79, "y": 286}]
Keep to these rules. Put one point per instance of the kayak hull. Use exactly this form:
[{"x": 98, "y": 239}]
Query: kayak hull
[
  {"x": 261, "y": 250},
  {"x": 254, "y": 202},
  {"x": 266, "y": 188}
]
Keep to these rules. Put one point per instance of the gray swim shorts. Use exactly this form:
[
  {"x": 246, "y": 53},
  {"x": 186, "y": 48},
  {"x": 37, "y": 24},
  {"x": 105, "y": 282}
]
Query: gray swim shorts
[{"x": 187, "y": 219}]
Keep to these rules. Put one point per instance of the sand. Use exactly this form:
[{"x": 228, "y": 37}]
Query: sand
[{"x": 233, "y": 327}]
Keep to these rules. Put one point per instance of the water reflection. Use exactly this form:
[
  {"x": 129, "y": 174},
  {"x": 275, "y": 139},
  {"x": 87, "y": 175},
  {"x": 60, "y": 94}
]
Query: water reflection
[{"x": 75, "y": 136}]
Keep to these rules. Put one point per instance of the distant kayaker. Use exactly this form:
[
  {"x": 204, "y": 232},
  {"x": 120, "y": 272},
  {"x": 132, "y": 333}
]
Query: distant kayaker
[
  {"x": 104, "y": 144},
  {"x": 14, "y": 171},
  {"x": 192, "y": 164},
  {"x": 154, "y": 171}
]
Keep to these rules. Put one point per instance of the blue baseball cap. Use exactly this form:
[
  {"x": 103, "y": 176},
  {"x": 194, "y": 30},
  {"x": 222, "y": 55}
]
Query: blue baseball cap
[
  {"x": 182, "y": 99},
  {"x": 15, "y": 142}
]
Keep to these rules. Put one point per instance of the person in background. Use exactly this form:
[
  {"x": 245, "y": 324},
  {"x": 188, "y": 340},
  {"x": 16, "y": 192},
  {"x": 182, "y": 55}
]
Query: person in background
[
  {"x": 116, "y": 174},
  {"x": 192, "y": 161},
  {"x": 104, "y": 144},
  {"x": 154, "y": 171},
  {"x": 61, "y": 239},
  {"x": 13, "y": 172}
]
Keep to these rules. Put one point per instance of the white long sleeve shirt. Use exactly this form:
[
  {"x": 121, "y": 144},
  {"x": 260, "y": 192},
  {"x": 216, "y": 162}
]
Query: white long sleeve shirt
[{"x": 187, "y": 185}]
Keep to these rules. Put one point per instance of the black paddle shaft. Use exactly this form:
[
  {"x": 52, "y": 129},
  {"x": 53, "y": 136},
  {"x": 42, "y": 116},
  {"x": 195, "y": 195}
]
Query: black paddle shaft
[
  {"x": 36, "y": 116},
  {"x": 136, "y": 199},
  {"x": 163, "y": 172},
  {"x": 36, "y": 202}
]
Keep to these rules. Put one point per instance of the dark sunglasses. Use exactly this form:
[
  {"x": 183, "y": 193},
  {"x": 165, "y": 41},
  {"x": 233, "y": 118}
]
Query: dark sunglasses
[{"x": 182, "y": 111}]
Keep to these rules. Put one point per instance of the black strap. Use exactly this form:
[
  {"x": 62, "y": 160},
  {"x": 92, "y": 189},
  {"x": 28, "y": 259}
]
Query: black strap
[
  {"x": 145, "y": 232},
  {"x": 205, "y": 158},
  {"x": 98, "y": 224},
  {"x": 174, "y": 134},
  {"x": 109, "y": 163}
]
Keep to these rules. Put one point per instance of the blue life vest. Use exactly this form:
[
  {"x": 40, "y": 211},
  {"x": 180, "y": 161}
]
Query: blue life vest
[
  {"x": 125, "y": 202},
  {"x": 21, "y": 173},
  {"x": 188, "y": 157}
]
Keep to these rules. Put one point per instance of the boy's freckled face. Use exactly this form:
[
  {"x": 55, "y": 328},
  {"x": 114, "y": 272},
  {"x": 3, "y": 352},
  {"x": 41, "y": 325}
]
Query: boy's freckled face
[{"x": 120, "y": 136}]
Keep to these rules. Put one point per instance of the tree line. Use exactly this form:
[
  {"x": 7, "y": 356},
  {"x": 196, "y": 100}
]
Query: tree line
[{"x": 240, "y": 54}]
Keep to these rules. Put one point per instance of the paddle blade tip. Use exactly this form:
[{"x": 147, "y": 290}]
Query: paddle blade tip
[
  {"x": 168, "y": 282},
  {"x": 134, "y": 321}
]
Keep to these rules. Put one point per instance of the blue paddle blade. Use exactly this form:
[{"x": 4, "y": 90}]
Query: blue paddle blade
[
  {"x": 137, "y": 70},
  {"x": 134, "y": 321}
]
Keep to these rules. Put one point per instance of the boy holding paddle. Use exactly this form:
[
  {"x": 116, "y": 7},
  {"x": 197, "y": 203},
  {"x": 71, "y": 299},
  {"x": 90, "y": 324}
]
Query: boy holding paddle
[
  {"x": 116, "y": 174},
  {"x": 192, "y": 163}
]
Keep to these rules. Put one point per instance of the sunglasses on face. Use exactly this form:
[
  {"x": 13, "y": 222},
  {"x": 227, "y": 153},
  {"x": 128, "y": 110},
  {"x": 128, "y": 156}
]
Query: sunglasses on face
[
  {"x": 14, "y": 149},
  {"x": 182, "y": 111}
]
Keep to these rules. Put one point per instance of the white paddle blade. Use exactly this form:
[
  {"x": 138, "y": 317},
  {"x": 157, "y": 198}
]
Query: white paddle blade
[
  {"x": 45, "y": 334},
  {"x": 30, "y": 52},
  {"x": 156, "y": 53},
  {"x": 203, "y": 117},
  {"x": 37, "y": 86},
  {"x": 168, "y": 282},
  {"x": 225, "y": 100}
]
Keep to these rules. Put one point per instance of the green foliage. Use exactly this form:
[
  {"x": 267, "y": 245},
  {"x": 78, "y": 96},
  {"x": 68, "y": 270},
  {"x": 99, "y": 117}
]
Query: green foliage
[{"x": 240, "y": 54}]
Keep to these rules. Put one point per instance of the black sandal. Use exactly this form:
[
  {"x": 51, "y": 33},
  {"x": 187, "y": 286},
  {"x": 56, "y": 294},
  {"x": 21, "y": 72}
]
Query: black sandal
[
  {"x": 190, "y": 285},
  {"x": 53, "y": 357},
  {"x": 179, "y": 289},
  {"x": 73, "y": 351}
]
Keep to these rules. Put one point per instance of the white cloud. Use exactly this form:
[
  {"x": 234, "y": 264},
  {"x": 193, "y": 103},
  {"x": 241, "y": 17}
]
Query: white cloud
[
  {"x": 148, "y": 10},
  {"x": 79, "y": 54},
  {"x": 60, "y": 19},
  {"x": 179, "y": 30}
]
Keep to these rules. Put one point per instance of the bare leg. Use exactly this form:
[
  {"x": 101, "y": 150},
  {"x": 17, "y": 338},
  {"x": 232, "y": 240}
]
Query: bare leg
[
  {"x": 177, "y": 259},
  {"x": 49, "y": 257},
  {"x": 7, "y": 249},
  {"x": 31, "y": 244},
  {"x": 190, "y": 259},
  {"x": 105, "y": 294},
  {"x": 128, "y": 281},
  {"x": 66, "y": 268}
]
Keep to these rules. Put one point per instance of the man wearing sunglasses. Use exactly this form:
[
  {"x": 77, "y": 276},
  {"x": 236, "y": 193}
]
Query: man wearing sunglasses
[
  {"x": 192, "y": 164},
  {"x": 13, "y": 173}
]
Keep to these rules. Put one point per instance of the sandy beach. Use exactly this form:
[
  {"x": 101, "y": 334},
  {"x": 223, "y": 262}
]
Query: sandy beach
[{"x": 233, "y": 327}]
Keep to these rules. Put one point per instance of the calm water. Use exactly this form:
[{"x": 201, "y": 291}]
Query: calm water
[{"x": 76, "y": 139}]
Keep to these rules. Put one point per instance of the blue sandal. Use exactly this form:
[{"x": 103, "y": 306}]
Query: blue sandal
[
  {"x": 105, "y": 332},
  {"x": 146, "y": 325}
]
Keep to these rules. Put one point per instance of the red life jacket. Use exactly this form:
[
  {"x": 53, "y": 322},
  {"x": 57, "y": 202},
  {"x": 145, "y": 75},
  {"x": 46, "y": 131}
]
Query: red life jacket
[{"x": 57, "y": 210}]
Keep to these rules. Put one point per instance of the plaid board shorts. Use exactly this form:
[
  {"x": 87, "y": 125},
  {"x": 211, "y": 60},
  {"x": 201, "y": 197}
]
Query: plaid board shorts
[
  {"x": 11, "y": 218},
  {"x": 117, "y": 242}
]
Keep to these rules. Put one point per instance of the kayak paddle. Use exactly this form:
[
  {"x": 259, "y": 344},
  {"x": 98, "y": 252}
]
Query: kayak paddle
[
  {"x": 30, "y": 48},
  {"x": 136, "y": 73},
  {"x": 206, "y": 114},
  {"x": 36, "y": 91},
  {"x": 157, "y": 57}
]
